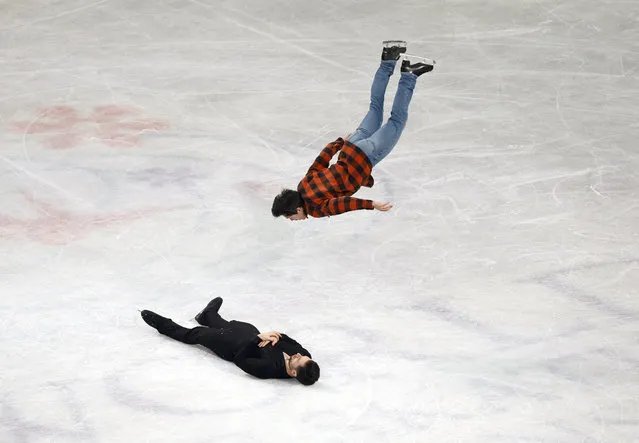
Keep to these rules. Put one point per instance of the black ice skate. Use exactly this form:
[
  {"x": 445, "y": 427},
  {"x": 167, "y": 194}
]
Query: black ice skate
[
  {"x": 392, "y": 49},
  {"x": 155, "y": 320},
  {"x": 213, "y": 306},
  {"x": 417, "y": 65}
]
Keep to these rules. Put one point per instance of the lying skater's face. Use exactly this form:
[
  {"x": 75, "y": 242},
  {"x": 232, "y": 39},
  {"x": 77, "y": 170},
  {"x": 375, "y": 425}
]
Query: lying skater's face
[
  {"x": 301, "y": 215},
  {"x": 298, "y": 360}
]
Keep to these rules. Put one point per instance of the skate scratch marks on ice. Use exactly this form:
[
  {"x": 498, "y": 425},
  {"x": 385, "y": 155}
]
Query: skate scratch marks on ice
[
  {"x": 559, "y": 283},
  {"x": 72, "y": 422},
  {"x": 55, "y": 226},
  {"x": 121, "y": 389},
  {"x": 53, "y": 17},
  {"x": 44, "y": 181},
  {"x": 276, "y": 39},
  {"x": 63, "y": 127}
]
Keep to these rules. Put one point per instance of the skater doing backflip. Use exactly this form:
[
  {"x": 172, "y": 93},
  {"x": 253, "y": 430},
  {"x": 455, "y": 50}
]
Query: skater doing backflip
[
  {"x": 327, "y": 190},
  {"x": 263, "y": 355}
]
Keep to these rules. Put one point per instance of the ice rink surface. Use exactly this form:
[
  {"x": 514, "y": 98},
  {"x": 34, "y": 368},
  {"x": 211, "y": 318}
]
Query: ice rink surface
[{"x": 142, "y": 144}]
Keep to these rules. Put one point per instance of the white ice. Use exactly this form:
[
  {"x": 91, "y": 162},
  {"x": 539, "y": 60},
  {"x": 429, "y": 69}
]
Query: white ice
[{"x": 142, "y": 144}]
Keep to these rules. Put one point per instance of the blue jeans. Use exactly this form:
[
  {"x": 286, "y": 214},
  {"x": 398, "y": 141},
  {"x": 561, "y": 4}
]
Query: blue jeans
[{"x": 375, "y": 140}]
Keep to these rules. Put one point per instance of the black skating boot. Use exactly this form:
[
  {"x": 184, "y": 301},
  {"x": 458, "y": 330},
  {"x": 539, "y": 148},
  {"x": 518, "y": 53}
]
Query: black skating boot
[
  {"x": 213, "y": 306},
  {"x": 156, "y": 321},
  {"x": 393, "y": 49},
  {"x": 417, "y": 65}
]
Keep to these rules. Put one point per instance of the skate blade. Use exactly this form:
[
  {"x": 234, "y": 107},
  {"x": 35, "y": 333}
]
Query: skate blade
[
  {"x": 415, "y": 59},
  {"x": 391, "y": 43}
]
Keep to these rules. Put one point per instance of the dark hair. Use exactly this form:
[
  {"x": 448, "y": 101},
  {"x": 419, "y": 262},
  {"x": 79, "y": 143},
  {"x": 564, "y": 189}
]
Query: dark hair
[
  {"x": 309, "y": 373},
  {"x": 286, "y": 203}
]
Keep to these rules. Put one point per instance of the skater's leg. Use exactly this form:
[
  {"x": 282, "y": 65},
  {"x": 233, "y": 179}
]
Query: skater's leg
[
  {"x": 219, "y": 341},
  {"x": 243, "y": 328},
  {"x": 214, "y": 320},
  {"x": 373, "y": 119},
  {"x": 382, "y": 142},
  {"x": 209, "y": 316},
  {"x": 223, "y": 342}
]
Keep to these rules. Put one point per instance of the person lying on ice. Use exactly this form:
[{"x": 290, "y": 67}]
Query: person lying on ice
[
  {"x": 262, "y": 355},
  {"x": 327, "y": 190}
]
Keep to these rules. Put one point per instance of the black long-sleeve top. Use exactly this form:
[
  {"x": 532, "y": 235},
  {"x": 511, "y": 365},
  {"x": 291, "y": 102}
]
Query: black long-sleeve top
[{"x": 267, "y": 362}]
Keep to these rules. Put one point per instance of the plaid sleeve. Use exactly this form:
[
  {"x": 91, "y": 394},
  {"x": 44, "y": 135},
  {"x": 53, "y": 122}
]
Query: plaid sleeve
[
  {"x": 323, "y": 160},
  {"x": 335, "y": 206}
]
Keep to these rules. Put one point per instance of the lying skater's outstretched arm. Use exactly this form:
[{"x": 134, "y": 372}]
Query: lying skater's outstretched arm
[{"x": 323, "y": 160}]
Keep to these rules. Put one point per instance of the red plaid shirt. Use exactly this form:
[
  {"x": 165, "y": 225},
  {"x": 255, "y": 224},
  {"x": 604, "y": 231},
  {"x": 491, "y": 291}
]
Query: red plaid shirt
[{"x": 327, "y": 190}]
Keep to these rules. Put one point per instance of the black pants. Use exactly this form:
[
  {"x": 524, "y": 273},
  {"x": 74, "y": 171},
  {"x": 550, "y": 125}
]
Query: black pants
[{"x": 224, "y": 338}]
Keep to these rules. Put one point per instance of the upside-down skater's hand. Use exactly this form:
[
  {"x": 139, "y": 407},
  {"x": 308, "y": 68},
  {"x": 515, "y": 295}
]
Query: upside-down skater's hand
[
  {"x": 382, "y": 206},
  {"x": 269, "y": 337}
]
